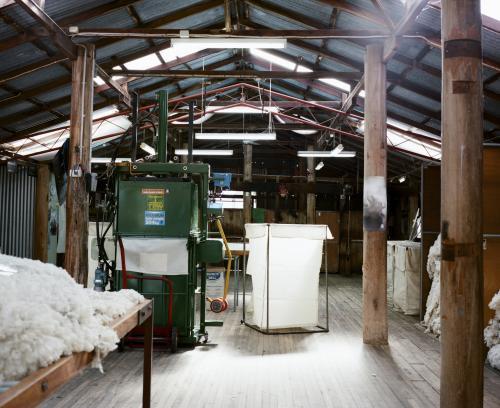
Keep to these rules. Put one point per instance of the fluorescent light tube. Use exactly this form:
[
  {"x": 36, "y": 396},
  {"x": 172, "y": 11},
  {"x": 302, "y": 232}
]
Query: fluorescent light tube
[
  {"x": 344, "y": 154},
  {"x": 312, "y": 153},
  {"x": 323, "y": 153},
  {"x": 214, "y": 42},
  {"x": 338, "y": 149},
  {"x": 305, "y": 132},
  {"x": 319, "y": 166},
  {"x": 236, "y": 136},
  {"x": 205, "y": 152},
  {"x": 108, "y": 159},
  {"x": 147, "y": 148}
]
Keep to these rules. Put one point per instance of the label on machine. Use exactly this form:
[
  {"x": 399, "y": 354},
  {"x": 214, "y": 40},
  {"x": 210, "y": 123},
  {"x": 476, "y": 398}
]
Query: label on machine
[
  {"x": 154, "y": 218},
  {"x": 155, "y": 214}
]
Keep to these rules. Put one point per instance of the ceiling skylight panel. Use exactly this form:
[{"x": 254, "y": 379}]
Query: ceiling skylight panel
[{"x": 146, "y": 62}]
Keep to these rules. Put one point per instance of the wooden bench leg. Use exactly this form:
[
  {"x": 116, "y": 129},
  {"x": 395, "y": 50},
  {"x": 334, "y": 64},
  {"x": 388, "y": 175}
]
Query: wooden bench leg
[{"x": 148, "y": 361}]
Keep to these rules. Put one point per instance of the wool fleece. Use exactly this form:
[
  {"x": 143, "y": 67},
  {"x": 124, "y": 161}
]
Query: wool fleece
[
  {"x": 432, "y": 318},
  {"x": 45, "y": 314},
  {"x": 492, "y": 333}
]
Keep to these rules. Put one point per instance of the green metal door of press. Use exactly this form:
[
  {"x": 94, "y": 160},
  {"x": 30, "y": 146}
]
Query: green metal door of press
[{"x": 162, "y": 209}]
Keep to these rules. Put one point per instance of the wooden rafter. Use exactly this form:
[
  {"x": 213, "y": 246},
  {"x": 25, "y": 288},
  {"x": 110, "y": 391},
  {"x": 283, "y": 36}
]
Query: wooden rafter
[
  {"x": 356, "y": 11},
  {"x": 66, "y": 100},
  {"x": 28, "y": 36},
  {"x": 63, "y": 42},
  {"x": 158, "y": 22},
  {"x": 403, "y": 82}
]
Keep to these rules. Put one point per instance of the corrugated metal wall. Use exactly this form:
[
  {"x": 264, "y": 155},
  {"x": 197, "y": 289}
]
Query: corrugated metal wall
[{"x": 17, "y": 203}]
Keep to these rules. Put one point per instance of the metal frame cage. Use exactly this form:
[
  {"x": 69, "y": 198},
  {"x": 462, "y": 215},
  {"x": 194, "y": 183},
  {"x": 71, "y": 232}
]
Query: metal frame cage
[{"x": 317, "y": 329}]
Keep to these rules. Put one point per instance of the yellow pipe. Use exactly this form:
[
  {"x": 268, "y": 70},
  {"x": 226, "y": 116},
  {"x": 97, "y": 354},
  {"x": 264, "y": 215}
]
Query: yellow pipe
[{"x": 229, "y": 256}]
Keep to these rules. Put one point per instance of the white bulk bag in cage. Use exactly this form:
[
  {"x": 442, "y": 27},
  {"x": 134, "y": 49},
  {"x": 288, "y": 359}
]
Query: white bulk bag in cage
[
  {"x": 292, "y": 257},
  {"x": 391, "y": 252},
  {"x": 407, "y": 277}
]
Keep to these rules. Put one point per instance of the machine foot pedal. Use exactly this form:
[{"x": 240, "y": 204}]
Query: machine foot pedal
[{"x": 214, "y": 323}]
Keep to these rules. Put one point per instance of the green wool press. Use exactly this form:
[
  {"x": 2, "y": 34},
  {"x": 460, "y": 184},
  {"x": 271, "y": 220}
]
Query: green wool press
[{"x": 161, "y": 229}]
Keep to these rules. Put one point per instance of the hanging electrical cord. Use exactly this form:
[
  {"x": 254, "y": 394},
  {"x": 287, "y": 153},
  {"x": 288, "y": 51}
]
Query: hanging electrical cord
[
  {"x": 140, "y": 121},
  {"x": 202, "y": 95},
  {"x": 269, "y": 125}
]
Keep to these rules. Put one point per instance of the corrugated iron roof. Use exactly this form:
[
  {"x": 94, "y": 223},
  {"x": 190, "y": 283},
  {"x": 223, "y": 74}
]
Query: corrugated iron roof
[{"x": 419, "y": 87}]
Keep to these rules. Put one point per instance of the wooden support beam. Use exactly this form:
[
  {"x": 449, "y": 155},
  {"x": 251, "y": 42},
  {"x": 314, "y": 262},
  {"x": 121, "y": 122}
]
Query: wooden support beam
[
  {"x": 356, "y": 11},
  {"x": 346, "y": 107},
  {"x": 203, "y": 33},
  {"x": 349, "y": 101},
  {"x": 122, "y": 89},
  {"x": 77, "y": 205},
  {"x": 311, "y": 197},
  {"x": 462, "y": 356},
  {"x": 241, "y": 74},
  {"x": 247, "y": 178},
  {"x": 286, "y": 14},
  {"x": 41, "y": 233},
  {"x": 374, "y": 221}
]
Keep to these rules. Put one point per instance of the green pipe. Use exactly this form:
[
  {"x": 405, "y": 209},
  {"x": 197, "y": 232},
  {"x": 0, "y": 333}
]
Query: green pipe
[{"x": 163, "y": 126}]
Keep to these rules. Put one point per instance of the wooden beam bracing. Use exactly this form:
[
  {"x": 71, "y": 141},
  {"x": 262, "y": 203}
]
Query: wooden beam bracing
[
  {"x": 402, "y": 27},
  {"x": 122, "y": 89},
  {"x": 383, "y": 13}
]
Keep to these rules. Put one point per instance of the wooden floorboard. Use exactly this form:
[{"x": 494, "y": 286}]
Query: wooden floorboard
[{"x": 243, "y": 368}]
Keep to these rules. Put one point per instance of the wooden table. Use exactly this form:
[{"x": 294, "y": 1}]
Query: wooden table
[{"x": 37, "y": 386}]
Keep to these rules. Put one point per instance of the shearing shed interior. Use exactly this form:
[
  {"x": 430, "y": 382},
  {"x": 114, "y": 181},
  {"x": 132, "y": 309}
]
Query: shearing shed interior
[{"x": 249, "y": 203}]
